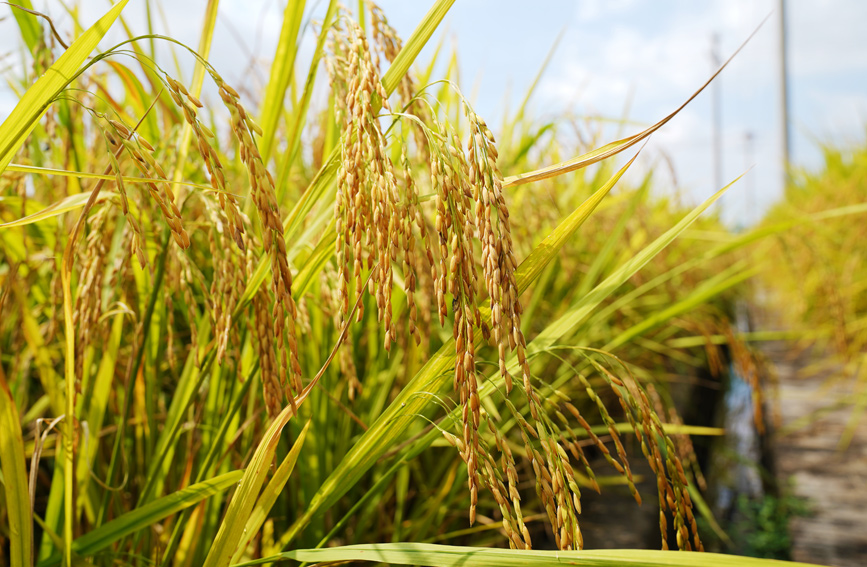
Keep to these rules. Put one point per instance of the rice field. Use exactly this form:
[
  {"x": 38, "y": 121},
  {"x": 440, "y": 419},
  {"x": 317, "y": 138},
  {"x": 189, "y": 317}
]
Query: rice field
[{"x": 348, "y": 319}]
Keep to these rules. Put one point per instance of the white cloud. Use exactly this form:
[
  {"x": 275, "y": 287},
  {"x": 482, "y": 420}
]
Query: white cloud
[
  {"x": 663, "y": 54},
  {"x": 656, "y": 51},
  {"x": 595, "y": 10},
  {"x": 827, "y": 37}
]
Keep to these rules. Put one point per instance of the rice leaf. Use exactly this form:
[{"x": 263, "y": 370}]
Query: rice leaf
[
  {"x": 55, "y": 209},
  {"x": 250, "y": 485},
  {"x": 434, "y": 376},
  {"x": 299, "y": 114},
  {"x": 454, "y": 556},
  {"x": 150, "y": 513},
  {"x": 27, "y": 23},
  {"x": 14, "y": 167},
  {"x": 615, "y": 147},
  {"x": 18, "y": 511},
  {"x": 700, "y": 295},
  {"x": 282, "y": 70},
  {"x": 34, "y": 103},
  {"x": 204, "y": 50},
  {"x": 270, "y": 493},
  {"x": 585, "y": 306}
]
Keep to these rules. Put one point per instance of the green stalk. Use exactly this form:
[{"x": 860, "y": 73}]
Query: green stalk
[
  {"x": 195, "y": 89},
  {"x": 282, "y": 69},
  {"x": 208, "y": 462},
  {"x": 135, "y": 365}
]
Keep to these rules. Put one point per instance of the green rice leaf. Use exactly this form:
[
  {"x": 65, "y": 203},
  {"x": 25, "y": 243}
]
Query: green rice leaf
[
  {"x": 240, "y": 508},
  {"x": 585, "y": 306},
  {"x": 454, "y": 556},
  {"x": 282, "y": 70},
  {"x": 434, "y": 376},
  {"x": 270, "y": 493},
  {"x": 27, "y": 23},
  {"x": 699, "y": 296},
  {"x": 414, "y": 44},
  {"x": 37, "y": 99},
  {"x": 15, "y": 480},
  {"x": 55, "y": 209},
  {"x": 150, "y": 513}
]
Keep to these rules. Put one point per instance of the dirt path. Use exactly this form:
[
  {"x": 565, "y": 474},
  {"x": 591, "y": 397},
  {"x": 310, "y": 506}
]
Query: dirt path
[{"x": 834, "y": 483}]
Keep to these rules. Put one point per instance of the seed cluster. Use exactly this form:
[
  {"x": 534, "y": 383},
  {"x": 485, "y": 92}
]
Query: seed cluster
[
  {"x": 280, "y": 336},
  {"x": 189, "y": 105},
  {"x": 368, "y": 210},
  {"x": 377, "y": 219},
  {"x": 672, "y": 485},
  {"x": 230, "y": 276},
  {"x": 187, "y": 280},
  {"x": 284, "y": 312},
  {"x": 274, "y": 326},
  {"x": 662, "y": 456},
  {"x": 88, "y": 308},
  {"x": 123, "y": 140},
  {"x": 505, "y": 493},
  {"x": 266, "y": 345},
  {"x": 457, "y": 277},
  {"x": 331, "y": 307}
]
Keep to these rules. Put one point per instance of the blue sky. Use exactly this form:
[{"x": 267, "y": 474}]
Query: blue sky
[{"x": 654, "y": 53}]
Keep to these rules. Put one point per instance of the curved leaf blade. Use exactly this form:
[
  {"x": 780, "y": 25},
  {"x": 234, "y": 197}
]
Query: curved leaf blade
[
  {"x": 141, "y": 517},
  {"x": 434, "y": 376},
  {"x": 455, "y": 556},
  {"x": 15, "y": 477},
  {"x": 37, "y": 99},
  {"x": 55, "y": 209}
]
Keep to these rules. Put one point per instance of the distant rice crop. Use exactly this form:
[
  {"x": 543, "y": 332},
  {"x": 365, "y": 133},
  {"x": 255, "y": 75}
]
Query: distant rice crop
[{"x": 490, "y": 349}]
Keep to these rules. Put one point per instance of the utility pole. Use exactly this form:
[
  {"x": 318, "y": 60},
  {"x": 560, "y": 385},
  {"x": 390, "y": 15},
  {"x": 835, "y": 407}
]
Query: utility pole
[
  {"x": 716, "y": 110},
  {"x": 784, "y": 93}
]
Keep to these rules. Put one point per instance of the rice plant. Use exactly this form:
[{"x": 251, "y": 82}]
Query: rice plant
[
  {"x": 814, "y": 272},
  {"x": 201, "y": 295}
]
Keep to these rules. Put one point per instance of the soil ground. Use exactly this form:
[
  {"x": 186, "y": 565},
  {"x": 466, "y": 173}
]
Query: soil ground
[{"x": 832, "y": 482}]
